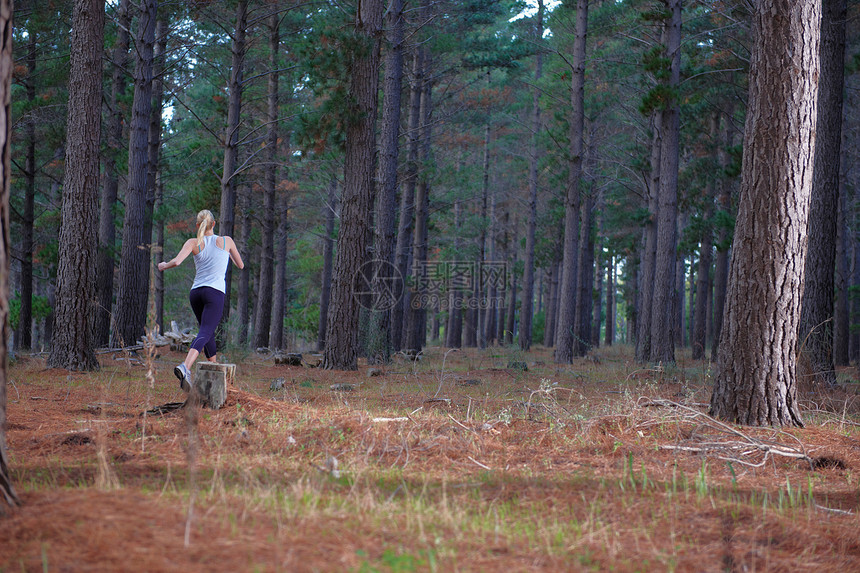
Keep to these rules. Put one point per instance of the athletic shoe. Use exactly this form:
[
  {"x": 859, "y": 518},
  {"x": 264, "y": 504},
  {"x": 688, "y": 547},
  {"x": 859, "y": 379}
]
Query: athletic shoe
[{"x": 181, "y": 372}]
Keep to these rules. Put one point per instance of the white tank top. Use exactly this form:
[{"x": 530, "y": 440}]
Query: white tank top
[{"x": 211, "y": 264}]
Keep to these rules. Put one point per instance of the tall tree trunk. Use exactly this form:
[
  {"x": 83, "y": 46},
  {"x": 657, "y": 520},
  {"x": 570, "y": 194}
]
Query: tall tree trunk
[
  {"x": 407, "y": 199},
  {"x": 597, "y": 306},
  {"x": 512, "y": 309},
  {"x": 24, "y": 338},
  {"x": 231, "y": 138},
  {"x": 529, "y": 278},
  {"x": 724, "y": 204},
  {"x": 610, "y": 303},
  {"x": 552, "y": 305},
  {"x": 385, "y": 278},
  {"x": 480, "y": 294},
  {"x": 243, "y": 302},
  {"x": 418, "y": 309},
  {"x": 816, "y": 316},
  {"x": 454, "y": 332},
  {"x": 703, "y": 283},
  {"x": 662, "y": 323},
  {"x": 841, "y": 319},
  {"x": 134, "y": 264},
  {"x": 567, "y": 295},
  {"x": 585, "y": 277},
  {"x": 328, "y": 252},
  {"x": 341, "y": 351},
  {"x": 279, "y": 298},
  {"x": 159, "y": 243},
  {"x": 73, "y": 344},
  {"x": 154, "y": 146},
  {"x": 110, "y": 181},
  {"x": 7, "y": 492},
  {"x": 756, "y": 381},
  {"x": 263, "y": 316},
  {"x": 648, "y": 260}
]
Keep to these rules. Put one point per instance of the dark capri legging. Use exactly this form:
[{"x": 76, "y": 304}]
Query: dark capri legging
[{"x": 208, "y": 305}]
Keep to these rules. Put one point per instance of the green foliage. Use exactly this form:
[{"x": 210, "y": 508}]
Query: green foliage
[
  {"x": 41, "y": 309},
  {"x": 303, "y": 320}
]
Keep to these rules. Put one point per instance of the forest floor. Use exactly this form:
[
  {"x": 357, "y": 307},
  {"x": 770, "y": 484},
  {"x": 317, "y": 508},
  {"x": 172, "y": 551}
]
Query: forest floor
[{"x": 459, "y": 462}]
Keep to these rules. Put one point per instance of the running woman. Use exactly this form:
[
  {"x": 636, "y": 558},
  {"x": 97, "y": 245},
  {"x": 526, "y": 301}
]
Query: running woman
[{"x": 212, "y": 254}]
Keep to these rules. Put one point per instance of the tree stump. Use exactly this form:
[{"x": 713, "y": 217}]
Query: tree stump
[{"x": 211, "y": 380}]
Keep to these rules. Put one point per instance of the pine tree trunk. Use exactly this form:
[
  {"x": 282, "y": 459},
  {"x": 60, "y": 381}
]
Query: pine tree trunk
[
  {"x": 721, "y": 267},
  {"x": 610, "y": 303},
  {"x": 243, "y": 299},
  {"x": 134, "y": 262},
  {"x": 328, "y": 253},
  {"x": 110, "y": 186},
  {"x": 662, "y": 323},
  {"x": 529, "y": 277},
  {"x": 816, "y": 317},
  {"x": 480, "y": 294},
  {"x": 231, "y": 140},
  {"x": 403, "y": 251},
  {"x": 341, "y": 351},
  {"x": 420, "y": 297},
  {"x": 279, "y": 298},
  {"x": 567, "y": 291},
  {"x": 551, "y": 306},
  {"x": 648, "y": 259},
  {"x": 24, "y": 334},
  {"x": 386, "y": 200},
  {"x": 841, "y": 318},
  {"x": 511, "y": 326},
  {"x": 7, "y": 492},
  {"x": 159, "y": 243},
  {"x": 597, "y": 306},
  {"x": 263, "y": 316},
  {"x": 756, "y": 382},
  {"x": 73, "y": 345},
  {"x": 585, "y": 277}
]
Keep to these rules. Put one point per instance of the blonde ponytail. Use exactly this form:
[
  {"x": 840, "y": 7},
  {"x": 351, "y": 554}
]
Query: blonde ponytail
[{"x": 205, "y": 221}]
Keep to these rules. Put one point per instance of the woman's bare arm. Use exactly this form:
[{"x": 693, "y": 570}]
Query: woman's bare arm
[{"x": 186, "y": 250}]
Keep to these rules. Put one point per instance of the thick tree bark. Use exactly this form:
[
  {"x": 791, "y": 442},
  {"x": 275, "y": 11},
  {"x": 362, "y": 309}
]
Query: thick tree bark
[
  {"x": 73, "y": 344},
  {"x": 110, "y": 180},
  {"x": 231, "y": 138},
  {"x": 7, "y": 491},
  {"x": 756, "y": 380},
  {"x": 386, "y": 200},
  {"x": 567, "y": 291},
  {"x": 263, "y": 316},
  {"x": 341, "y": 351},
  {"x": 662, "y": 323},
  {"x": 648, "y": 259},
  {"x": 134, "y": 265},
  {"x": 529, "y": 278},
  {"x": 454, "y": 332},
  {"x": 421, "y": 299},
  {"x": 407, "y": 200},
  {"x": 816, "y": 316}
]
